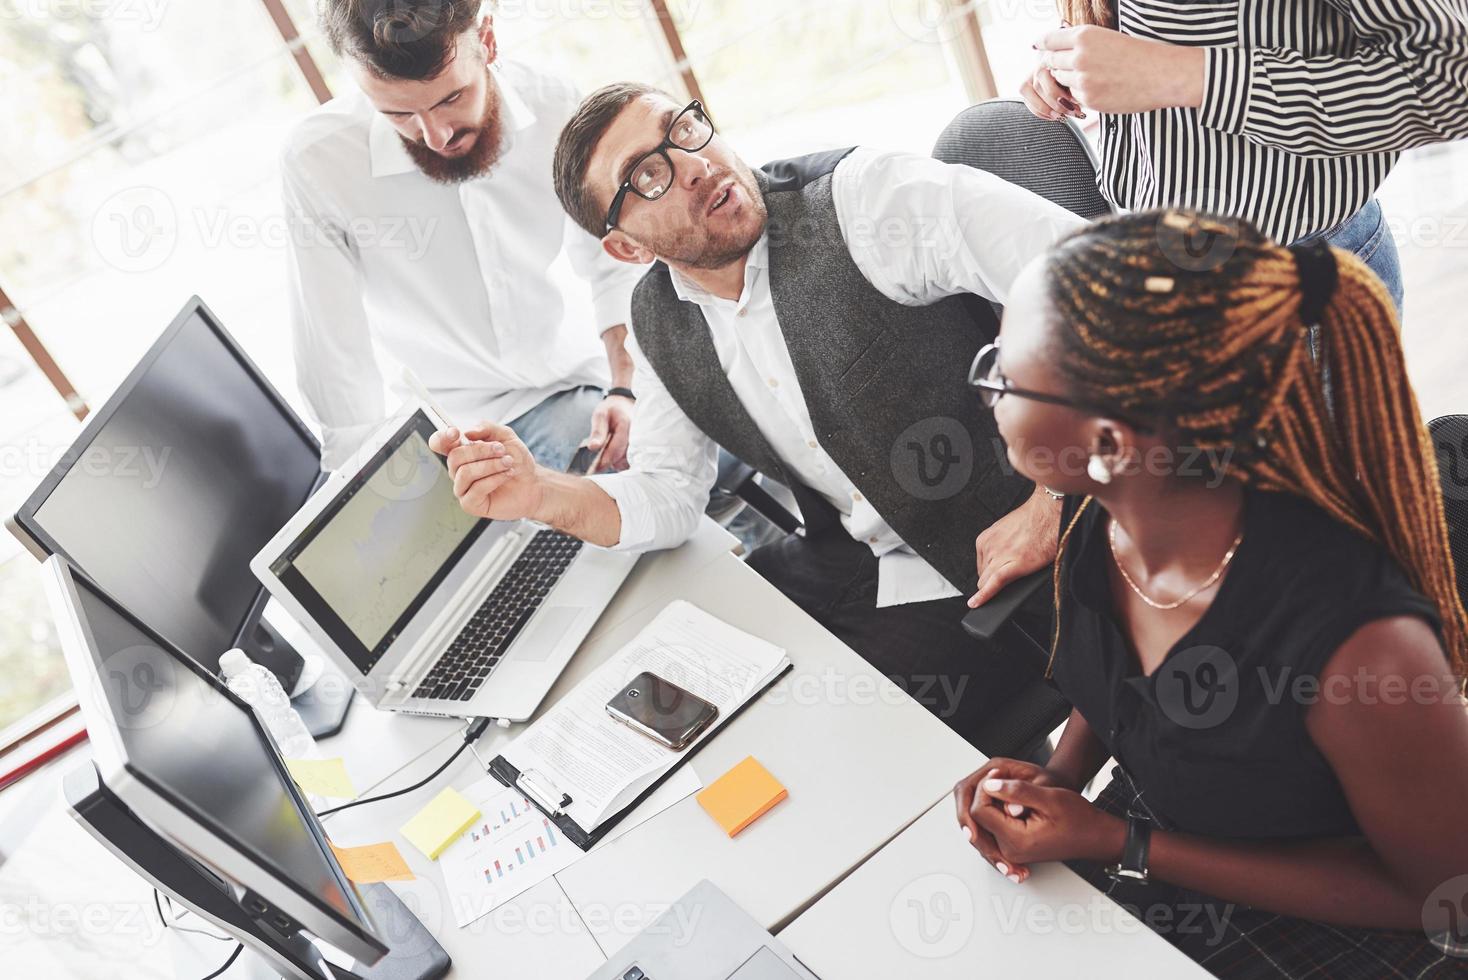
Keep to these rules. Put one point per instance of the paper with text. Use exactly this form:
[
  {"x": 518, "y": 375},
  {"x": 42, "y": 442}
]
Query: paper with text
[{"x": 578, "y": 749}]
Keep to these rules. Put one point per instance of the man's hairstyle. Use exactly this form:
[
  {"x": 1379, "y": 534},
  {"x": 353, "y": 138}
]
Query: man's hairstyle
[
  {"x": 578, "y": 142},
  {"x": 411, "y": 39}
]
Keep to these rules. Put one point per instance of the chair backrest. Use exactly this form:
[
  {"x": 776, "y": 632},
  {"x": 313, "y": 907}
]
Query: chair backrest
[
  {"x": 1450, "y": 436},
  {"x": 1052, "y": 159}
]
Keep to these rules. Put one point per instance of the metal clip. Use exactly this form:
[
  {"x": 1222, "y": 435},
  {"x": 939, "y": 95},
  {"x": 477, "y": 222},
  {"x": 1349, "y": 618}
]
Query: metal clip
[{"x": 526, "y": 783}]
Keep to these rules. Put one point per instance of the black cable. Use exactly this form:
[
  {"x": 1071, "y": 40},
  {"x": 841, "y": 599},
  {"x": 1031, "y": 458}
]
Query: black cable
[
  {"x": 238, "y": 947},
  {"x": 471, "y": 735}
]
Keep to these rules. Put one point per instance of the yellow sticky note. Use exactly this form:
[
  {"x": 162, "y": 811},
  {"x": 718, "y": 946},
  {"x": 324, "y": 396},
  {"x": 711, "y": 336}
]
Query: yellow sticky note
[
  {"x": 373, "y": 862},
  {"x": 437, "y": 825},
  {"x": 324, "y": 777},
  {"x": 741, "y": 796}
]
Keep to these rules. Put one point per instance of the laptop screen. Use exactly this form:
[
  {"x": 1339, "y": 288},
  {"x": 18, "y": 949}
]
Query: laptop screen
[{"x": 369, "y": 561}]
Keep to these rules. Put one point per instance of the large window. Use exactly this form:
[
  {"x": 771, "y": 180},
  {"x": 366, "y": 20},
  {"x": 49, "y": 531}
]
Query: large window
[
  {"x": 146, "y": 174},
  {"x": 145, "y": 171}
]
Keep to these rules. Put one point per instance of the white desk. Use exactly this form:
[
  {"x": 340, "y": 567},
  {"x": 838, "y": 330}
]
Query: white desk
[
  {"x": 376, "y": 745},
  {"x": 927, "y": 905},
  {"x": 861, "y": 760}
]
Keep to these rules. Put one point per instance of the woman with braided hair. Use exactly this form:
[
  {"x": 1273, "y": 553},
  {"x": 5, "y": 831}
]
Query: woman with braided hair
[{"x": 1257, "y": 616}]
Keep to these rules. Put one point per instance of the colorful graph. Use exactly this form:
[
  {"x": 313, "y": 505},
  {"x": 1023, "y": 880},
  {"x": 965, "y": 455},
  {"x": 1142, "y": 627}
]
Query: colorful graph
[
  {"x": 511, "y": 848},
  {"x": 516, "y": 809},
  {"x": 525, "y": 851}
]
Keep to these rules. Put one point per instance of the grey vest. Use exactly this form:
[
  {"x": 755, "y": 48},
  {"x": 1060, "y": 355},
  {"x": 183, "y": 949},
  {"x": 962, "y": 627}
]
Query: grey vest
[{"x": 885, "y": 384}]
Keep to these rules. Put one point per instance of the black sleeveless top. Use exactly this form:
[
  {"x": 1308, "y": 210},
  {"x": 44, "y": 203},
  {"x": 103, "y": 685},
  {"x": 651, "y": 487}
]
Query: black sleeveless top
[{"x": 1215, "y": 738}]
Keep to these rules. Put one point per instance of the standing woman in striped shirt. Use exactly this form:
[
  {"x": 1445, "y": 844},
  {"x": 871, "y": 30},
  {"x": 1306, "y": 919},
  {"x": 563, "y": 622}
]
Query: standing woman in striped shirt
[{"x": 1287, "y": 113}]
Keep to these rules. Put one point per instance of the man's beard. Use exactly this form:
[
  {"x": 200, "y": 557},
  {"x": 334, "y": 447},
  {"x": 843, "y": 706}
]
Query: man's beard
[
  {"x": 480, "y": 159},
  {"x": 717, "y": 251}
]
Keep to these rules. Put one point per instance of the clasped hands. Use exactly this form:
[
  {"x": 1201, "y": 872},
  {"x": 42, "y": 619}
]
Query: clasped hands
[{"x": 1017, "y": 813}]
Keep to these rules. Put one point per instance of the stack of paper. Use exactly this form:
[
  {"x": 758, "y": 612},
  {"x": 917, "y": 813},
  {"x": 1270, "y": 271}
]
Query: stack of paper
[{"x": 576, "y": 748}]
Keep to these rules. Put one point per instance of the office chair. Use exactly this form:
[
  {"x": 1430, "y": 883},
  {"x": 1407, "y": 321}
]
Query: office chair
[
  {"x": 1051, "y": 159},
  {"x": 1450, "y": 436}
]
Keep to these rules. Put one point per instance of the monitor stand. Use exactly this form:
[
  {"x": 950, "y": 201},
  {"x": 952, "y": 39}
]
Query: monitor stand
[
  {"x": 323, "y": 704},
  {"x": 414, "y": 953}
]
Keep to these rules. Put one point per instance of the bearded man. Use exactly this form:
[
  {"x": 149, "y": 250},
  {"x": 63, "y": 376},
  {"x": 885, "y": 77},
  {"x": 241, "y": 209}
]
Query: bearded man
[{"x": 425, "y": 232}]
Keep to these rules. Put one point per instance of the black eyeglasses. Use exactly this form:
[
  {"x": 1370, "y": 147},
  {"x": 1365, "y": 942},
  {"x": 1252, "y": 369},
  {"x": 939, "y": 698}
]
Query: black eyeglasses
[
  {"x": 984, "y": 376},
  {"x": 651, "y": 174}
]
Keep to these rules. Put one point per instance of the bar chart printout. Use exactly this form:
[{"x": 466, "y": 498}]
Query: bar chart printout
[{"x": 510, "y": 849}]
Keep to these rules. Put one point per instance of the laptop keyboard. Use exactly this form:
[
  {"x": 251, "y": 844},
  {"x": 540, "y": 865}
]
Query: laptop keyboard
[{"x": 477, "y": 650}]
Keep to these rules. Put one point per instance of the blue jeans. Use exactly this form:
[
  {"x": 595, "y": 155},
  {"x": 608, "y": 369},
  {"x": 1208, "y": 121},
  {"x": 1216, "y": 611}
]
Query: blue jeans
[
  {"x": 557, "y": 426},
  {"x": 1365, "y": 234}
]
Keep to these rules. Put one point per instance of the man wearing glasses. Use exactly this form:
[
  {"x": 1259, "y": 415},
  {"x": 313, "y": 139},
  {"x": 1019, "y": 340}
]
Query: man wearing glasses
[{"x": 814, "y": 319}]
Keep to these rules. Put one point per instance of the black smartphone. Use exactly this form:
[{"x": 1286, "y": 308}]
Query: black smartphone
[
  {"x": 662, "y": 711},
  {"x": 582, "y": 463}
]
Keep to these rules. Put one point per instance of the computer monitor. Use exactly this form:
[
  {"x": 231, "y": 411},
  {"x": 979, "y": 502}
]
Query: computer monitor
[
  {"x": 173, "y": 486},
  {"x": 190, "y": 762}
]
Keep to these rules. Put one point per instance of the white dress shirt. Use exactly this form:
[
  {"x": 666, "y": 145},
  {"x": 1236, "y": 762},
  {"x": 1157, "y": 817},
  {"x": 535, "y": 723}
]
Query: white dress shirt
[
  {"x": 474, "y": 286},
  {"x": 918, "y": 230}
]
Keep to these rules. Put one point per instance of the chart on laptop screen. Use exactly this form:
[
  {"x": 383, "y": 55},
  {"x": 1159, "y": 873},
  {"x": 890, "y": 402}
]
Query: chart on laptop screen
[{"x": 384, "y": 546}]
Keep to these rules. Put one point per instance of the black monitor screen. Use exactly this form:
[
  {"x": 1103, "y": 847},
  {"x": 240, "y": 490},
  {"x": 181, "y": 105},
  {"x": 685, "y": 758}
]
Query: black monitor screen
[
  {"x": 194, "y": 466},
  {"x": 205, "y": 752}
]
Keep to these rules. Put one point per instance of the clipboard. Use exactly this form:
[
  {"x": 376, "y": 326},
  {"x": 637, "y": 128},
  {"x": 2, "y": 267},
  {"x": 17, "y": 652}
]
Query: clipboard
[{"x": 551, "y": 801}]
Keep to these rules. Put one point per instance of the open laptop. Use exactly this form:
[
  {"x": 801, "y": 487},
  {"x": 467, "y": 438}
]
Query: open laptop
[
  {"x": 703, "y": 936},
  {"x": 427, "y": 609}
]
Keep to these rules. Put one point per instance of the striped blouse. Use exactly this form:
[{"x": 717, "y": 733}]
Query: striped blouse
[{"x": 1307, "y": 105}]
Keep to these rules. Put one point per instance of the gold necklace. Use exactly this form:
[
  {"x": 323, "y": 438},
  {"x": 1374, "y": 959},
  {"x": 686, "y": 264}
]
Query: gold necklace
[{"x": 1217, "y": 573}]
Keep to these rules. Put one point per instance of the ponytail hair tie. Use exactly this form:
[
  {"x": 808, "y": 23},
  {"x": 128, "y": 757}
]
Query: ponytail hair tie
[{"x": 1318, "y": 277}]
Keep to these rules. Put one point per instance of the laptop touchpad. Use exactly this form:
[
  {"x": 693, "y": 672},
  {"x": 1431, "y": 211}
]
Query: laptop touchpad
[
  {"x": 539, "y": 641},
  {"x": 764, "y": 965}
]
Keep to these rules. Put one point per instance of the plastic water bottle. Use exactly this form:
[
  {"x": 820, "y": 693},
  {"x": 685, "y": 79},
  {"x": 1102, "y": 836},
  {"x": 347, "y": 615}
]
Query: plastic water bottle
[{"x": 257, "y": 687}]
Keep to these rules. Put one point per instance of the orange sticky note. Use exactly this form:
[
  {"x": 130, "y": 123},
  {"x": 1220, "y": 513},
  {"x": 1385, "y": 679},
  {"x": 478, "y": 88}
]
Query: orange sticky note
[
  {"x": 741, "y": 796},
  {"x": 373, "y": 862}
]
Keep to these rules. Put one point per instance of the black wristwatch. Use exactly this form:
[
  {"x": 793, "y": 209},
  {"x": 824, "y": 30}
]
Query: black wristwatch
[
  {"x": 1133, "y": 864},
  {"x": 624, "y": 392}
]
